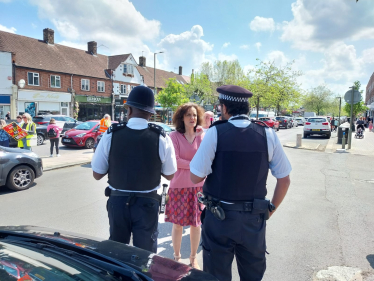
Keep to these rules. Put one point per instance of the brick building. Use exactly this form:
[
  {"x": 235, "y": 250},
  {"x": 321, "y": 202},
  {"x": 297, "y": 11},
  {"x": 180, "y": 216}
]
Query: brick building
[
  {"x": 52, "y": 78},
  {"x": 369, "y": 100}
]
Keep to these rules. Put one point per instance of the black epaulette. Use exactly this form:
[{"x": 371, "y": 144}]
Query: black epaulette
[
  {"x": 261, "y": 123},
  {"x": 158, "y": 129},
  {"x": 116, "y": 126},
  {"x": 218, "y": 122}
]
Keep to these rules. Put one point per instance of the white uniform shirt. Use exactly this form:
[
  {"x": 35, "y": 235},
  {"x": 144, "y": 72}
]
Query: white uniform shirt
[
  {"x": 100, "y": 162},
  {"x": 201, "y": 164}
]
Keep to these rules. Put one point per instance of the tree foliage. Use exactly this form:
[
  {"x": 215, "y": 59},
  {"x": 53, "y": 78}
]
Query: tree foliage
[
  {"x": 200, "y": 89},
  {"x": 357, "y": 107},
  {"x": 318, "y": 100}
]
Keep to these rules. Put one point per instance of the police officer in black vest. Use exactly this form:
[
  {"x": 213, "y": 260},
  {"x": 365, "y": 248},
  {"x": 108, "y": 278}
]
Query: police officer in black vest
[
  {"x": 235, "y": 157},
  {"x": 135, "y": 155}
]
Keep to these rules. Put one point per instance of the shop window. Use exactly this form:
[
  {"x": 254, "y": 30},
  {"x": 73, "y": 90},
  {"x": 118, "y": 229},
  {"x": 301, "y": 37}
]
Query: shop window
[
  {"x": 123, "y": 89},
  {"x": 33, "y": 78},
  {"x": 100, "y": 86},
  {"x": 55, "y": 81},
  {"x": 85, "y": 85}
]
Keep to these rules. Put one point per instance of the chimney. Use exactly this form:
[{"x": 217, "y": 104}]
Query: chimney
[
  {"x": 92, "y": 48},
  {"x": 49, "y": 36},
  {"x": 180, "y": 70},
  {"x": 142, "y": 61}
]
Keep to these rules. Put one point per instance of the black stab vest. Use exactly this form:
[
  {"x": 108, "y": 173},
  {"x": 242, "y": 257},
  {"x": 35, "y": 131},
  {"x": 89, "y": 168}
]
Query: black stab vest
[
  {"x": 240, "y": 167},
  {"x": 134, "y": 160}
]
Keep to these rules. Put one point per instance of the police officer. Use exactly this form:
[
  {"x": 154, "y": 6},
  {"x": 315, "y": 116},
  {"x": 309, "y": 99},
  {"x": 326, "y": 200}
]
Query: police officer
[
  {"x": 135, "y": 155},
  {"x": 234, "y": 157}
]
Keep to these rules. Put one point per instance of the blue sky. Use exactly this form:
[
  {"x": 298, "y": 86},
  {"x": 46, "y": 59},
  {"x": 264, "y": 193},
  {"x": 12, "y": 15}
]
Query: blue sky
[{"x": 331, "y": 41}]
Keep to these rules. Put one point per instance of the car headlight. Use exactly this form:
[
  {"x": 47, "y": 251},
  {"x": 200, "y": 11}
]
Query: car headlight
[{"x": 80, "y": 135}]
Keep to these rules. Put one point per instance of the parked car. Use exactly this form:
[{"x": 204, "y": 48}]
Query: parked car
[
  {"x": 271, "y": 122},
  {"x": 83, "y": 135},
  {"x": 300, "y": 120},
  {"x": 41, "y": 132},
  {"x": 294, "y": 122},
  {"x": 284, "y": 122},
  {"x": 60, "y": 121},
  {"x": 19, "y": 168},
  {"x": 317, "y": 126},
  {"x": 253, "y": 114},
  {"x": 35, "y": 253}
]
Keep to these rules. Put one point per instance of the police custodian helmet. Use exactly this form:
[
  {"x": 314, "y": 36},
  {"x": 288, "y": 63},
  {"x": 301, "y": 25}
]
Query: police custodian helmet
[{"x": 142, "y": 97}]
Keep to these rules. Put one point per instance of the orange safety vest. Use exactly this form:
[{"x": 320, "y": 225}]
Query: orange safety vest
[{"x": 103, "y": 125}]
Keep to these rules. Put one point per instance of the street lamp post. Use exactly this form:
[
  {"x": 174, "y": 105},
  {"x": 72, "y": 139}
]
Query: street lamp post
[
  {"x": 154, "y": 89},
  {"x": 340, "y": 106},
  {"x": 351, "y": 119}
]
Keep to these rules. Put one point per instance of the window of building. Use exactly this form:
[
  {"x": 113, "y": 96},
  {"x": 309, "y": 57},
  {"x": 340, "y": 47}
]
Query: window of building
[
  {"x": 55, "y": 81},
  {"x": 85, "y": 85},
  {"x": 33, "y": 78},
  {"x": 100, "y": 86},
  {"x": 123, "y": 89},
  {"x": 128, "y": 69}
]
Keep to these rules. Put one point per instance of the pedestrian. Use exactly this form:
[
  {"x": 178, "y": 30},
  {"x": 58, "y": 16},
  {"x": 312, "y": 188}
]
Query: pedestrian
[
  {"x": 135, "y": 155},
  {"x": 4, "y": 136},
  {"x": 370, "y": 126},
  {"x": 19, "y": 120},
  {"x": 28, "y": 126},
  {"x": 105, "y": 123},
  {"x": 360, "y": 124},
  {"x": 208, "y": 120},
  {"x": 7, "y": 116},
  {"x": 182, "y": 208},
  {"x": 53, "y": 132},
  {"x": 234, "y": 157}
]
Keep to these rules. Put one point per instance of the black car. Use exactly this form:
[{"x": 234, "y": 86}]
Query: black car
[
  {"x": 33, "y": 253},
  {"x": 19, "y": 168},
  {"x": 284, "y": 122},
  {"x": 41, "y": 132}
]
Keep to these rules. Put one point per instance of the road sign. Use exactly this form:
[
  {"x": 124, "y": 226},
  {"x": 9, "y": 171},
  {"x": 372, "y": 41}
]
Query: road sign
[{"x": 356, "y": 97}]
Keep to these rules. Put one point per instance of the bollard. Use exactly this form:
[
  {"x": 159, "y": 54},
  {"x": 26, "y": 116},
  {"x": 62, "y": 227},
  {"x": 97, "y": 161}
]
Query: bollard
[
  {"x": 343, "y": 140},
  {"x": 298, "y": 140}
]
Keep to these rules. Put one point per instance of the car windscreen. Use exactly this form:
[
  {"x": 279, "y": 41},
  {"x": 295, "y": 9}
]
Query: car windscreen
[
  {"x": 279, "y": 118},
  {"x": 86, "y": 126},
  {"x": 264, "y": 119},
  {"x": 254, "y": 115},
  {"x": 165, "y": 127},
  {"x": 41, "y": 119},
  {"x": 317, "y": 120}
]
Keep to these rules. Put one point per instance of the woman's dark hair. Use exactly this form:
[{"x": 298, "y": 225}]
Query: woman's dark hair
[
  {"x": 235, "y": 108},
  {"x": 181, "y": 111}
]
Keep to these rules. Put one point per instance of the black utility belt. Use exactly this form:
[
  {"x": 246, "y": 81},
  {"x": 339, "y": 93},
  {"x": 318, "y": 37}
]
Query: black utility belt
[{"x": 151, "y": 195}]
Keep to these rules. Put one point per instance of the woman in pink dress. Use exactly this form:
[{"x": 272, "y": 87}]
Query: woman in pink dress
[{"x": 182, "y": 208}]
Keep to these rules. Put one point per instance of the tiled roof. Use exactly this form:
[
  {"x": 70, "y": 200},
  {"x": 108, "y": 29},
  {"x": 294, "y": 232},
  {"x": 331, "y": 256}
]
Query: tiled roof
[
  {"x": 161, "y": 76},
  {"x": 34, "y": 53},
  {"x": 114, "y": 61}
]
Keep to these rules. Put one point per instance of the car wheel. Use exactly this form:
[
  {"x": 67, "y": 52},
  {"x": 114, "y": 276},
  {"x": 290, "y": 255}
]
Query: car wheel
[
  {"x": 305, "y": 136},
  {"x": 278, "y": 129},
  {"x": 90, "y": 142},
  {"x": 40, "y": 139},
  {"x": 20, "y": 178},
  {"x": 328, "y": 136}
]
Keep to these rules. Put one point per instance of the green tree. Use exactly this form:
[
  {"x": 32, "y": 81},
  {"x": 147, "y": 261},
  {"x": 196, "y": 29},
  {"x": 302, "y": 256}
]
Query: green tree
[
  {"x": 357, "y": 107},
  {"x": 318, "y": 100},
  {"x": 200, "y": 89},
  {"x": 172, "y": 96}
]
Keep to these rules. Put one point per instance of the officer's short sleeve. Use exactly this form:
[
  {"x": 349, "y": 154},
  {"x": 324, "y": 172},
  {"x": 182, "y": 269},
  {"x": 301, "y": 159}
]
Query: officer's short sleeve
[
  {"x": 167, "y": 156},
  {"x": 99, "y": 163},
  {"x": 279, "y": 164}
]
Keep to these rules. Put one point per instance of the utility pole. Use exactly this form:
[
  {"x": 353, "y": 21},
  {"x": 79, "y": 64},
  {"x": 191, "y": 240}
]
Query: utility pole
[
  {"x": 340, "y": 106},
  {"x": 154, "y": 74},
  {"x": 351, "y": 119}
]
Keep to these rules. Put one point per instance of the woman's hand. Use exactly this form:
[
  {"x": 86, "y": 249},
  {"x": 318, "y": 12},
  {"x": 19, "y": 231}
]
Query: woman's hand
[{"x": 199, "y": 131}]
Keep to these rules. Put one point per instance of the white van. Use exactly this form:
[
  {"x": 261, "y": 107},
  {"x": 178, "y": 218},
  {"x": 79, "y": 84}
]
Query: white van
[{"x": 261, "y": 114}]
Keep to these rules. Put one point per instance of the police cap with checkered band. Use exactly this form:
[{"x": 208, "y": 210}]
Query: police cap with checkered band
[{"x": 233, "y": 93}]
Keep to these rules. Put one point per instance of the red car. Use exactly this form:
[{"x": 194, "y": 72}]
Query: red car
[
  {"x": 271, "y": 122},
  {"x": 83, "y": 135}
]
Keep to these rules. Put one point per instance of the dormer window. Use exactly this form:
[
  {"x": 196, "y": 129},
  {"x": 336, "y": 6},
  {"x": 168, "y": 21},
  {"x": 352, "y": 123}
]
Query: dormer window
[{"x": 128, "y": 70}]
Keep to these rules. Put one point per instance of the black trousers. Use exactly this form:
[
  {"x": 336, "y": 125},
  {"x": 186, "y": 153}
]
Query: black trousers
[
  {"x": 241, "y": 234},
  {"x": 54, "y": 142},
  {"x": 140, "y": 219}
]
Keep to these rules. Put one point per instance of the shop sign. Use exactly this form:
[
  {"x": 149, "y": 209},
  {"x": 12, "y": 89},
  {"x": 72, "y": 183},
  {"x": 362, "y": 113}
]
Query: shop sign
[
  {"x": 44, "y": 96},
  {"x": 93, "y": 99}
]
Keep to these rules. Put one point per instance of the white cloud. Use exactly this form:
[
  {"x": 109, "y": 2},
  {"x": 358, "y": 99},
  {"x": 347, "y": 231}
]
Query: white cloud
[
  {"x": 248, "y": 68},
  {"x": 278, "y": 57},
  {"x": 368, "y": 55},
  {"x": 33, "y": 25},
  {"x": 11, "y": 29},
  {"x": 80, "y": 46},
  {"x": 319, "y": 24},
  {"x": 262, "y": 24},
  {"x": 258, "y": 46},
  {"x": 223, "y": 57},
  {"x": 225, "y": 45},
  {"x": 244, "y": 47},
  {"x": 120, "y": 27},
  {"x": 187, "y": 49}
]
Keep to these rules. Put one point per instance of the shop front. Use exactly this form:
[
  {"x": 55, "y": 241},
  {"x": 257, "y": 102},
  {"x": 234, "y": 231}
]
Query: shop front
[
  {"x": 42, "y": 102},
  {"x": 93, "y": 108},
  {"x": 4, "y": 106}
]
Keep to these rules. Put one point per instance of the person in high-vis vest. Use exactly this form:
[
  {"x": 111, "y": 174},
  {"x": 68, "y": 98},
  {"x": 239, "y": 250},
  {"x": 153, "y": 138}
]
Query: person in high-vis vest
[
  {"x": 30, "y": 127},
  {"x": 105, "y": 123}
]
